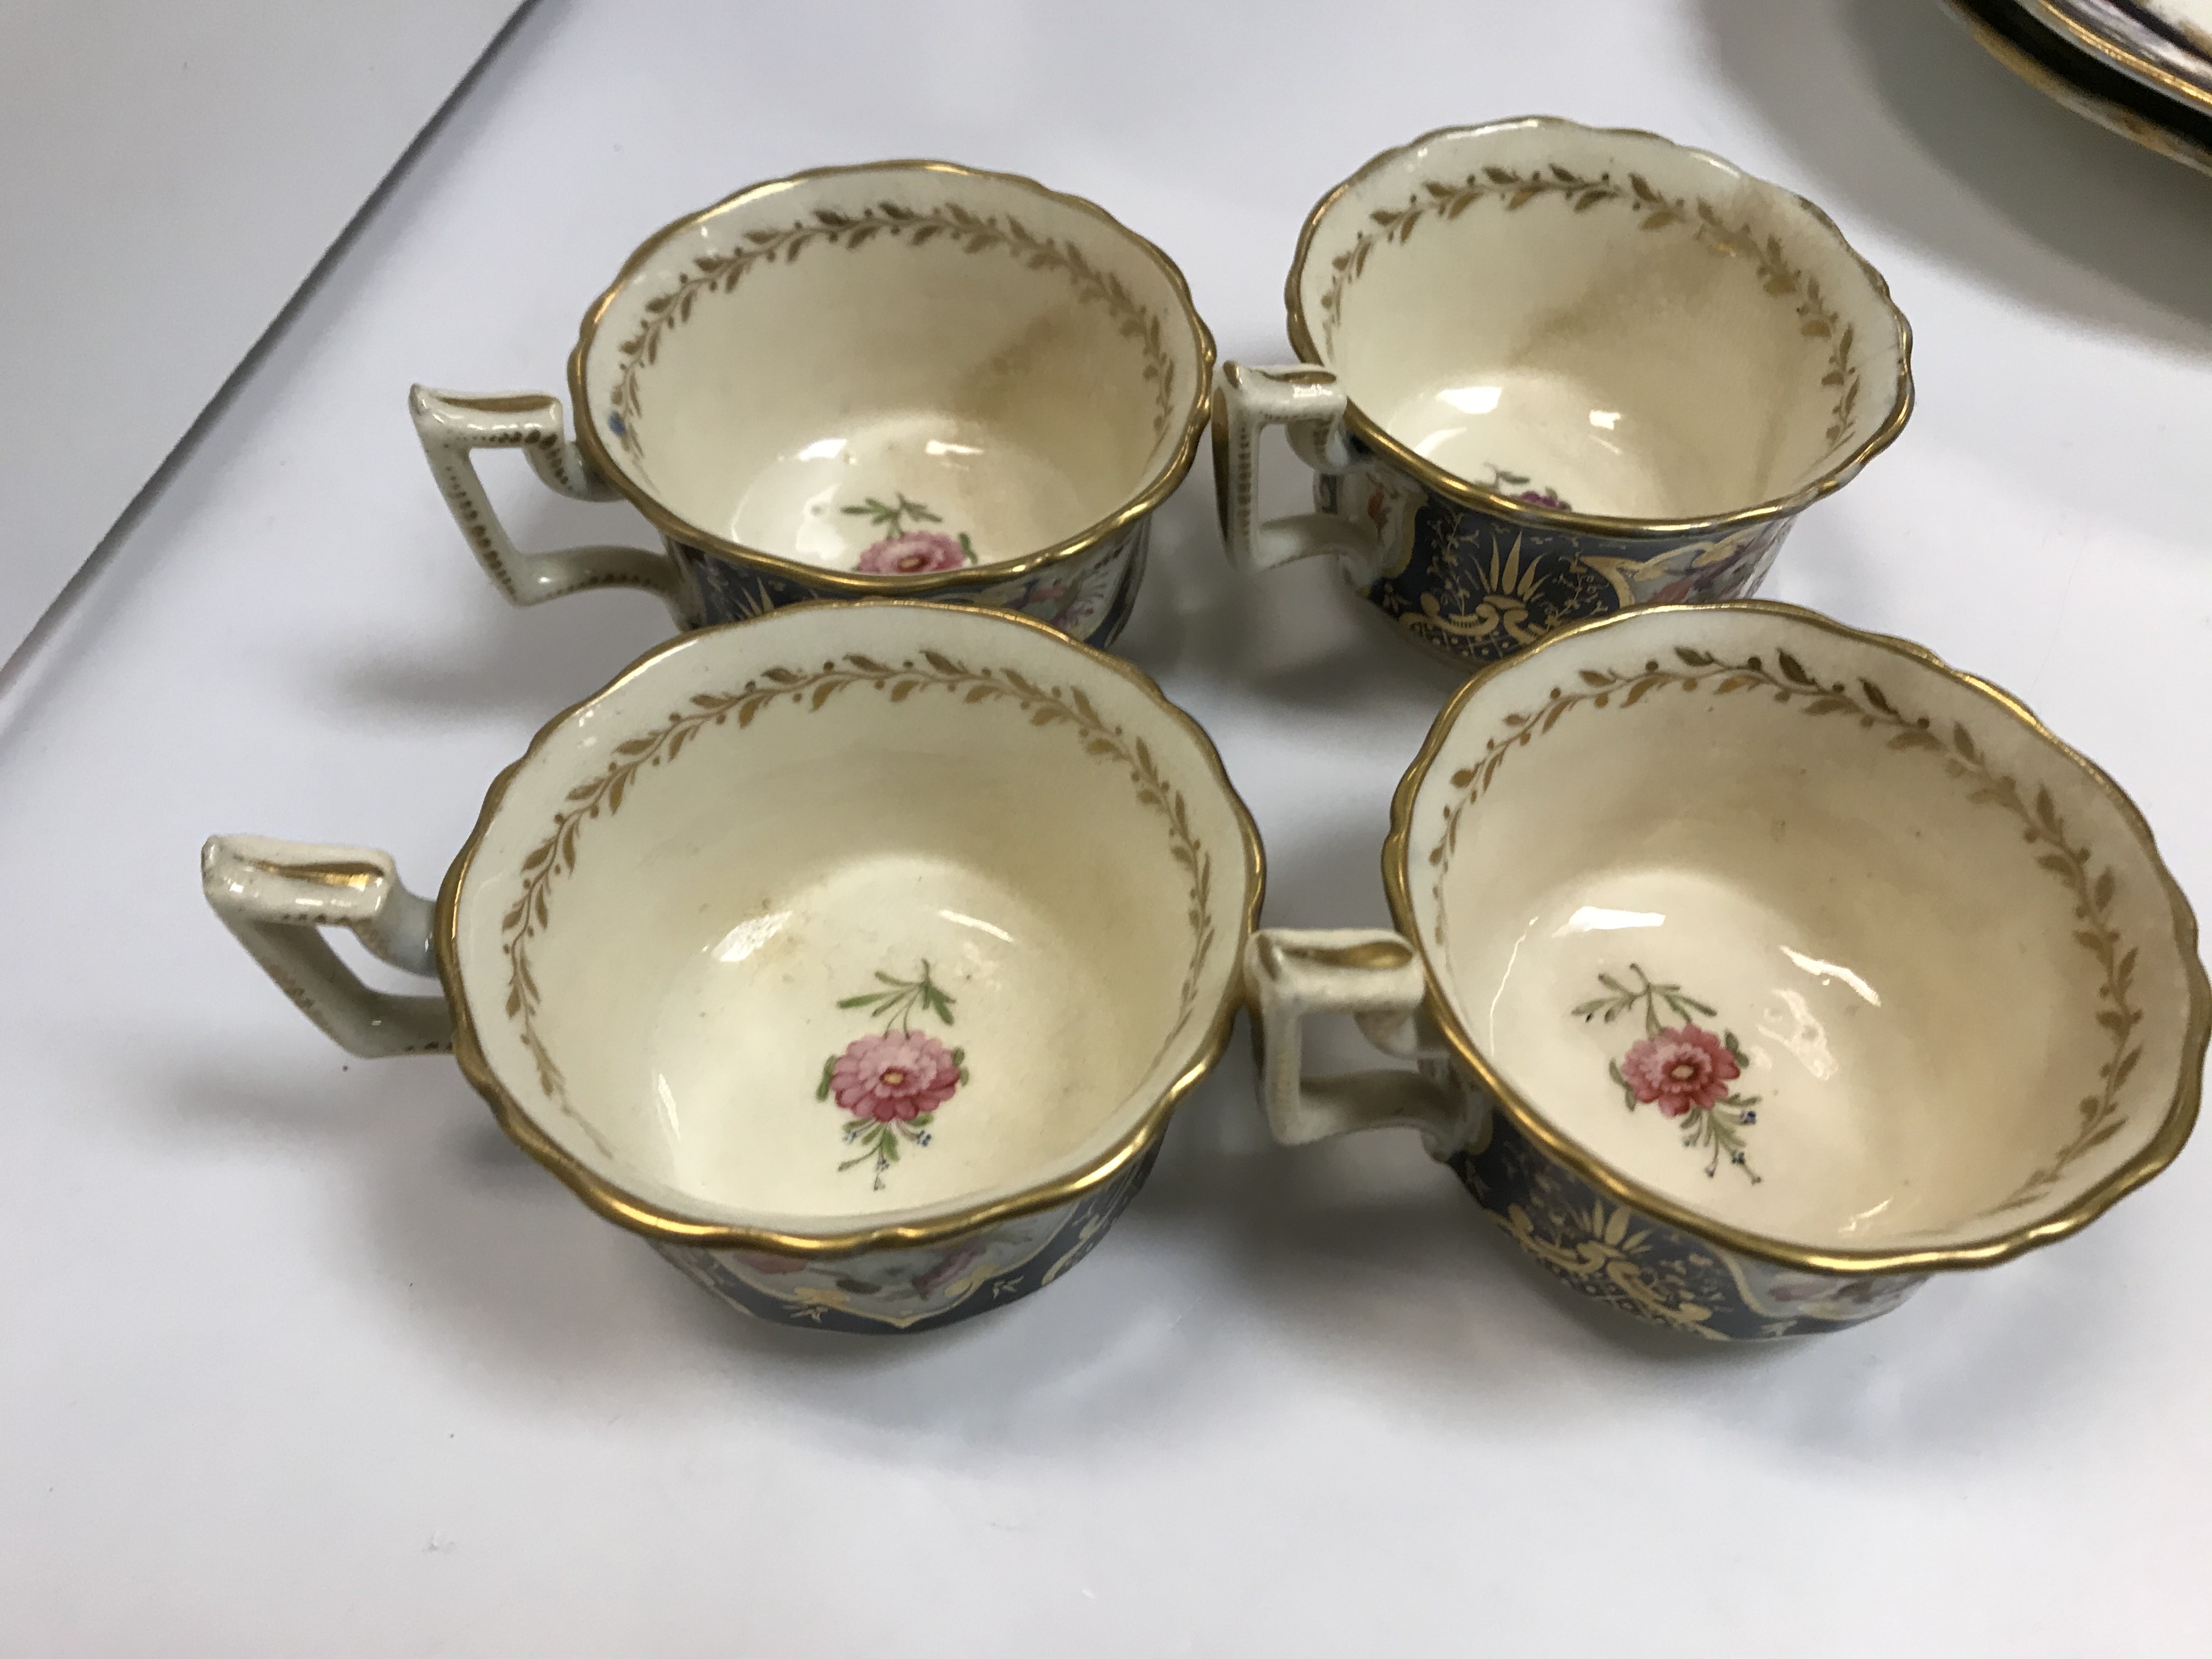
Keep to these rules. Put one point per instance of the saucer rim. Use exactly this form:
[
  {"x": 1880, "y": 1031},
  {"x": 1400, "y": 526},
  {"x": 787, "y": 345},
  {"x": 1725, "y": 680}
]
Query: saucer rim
[
  {"x": 2154, "y": 76},
  {"x": 2130, "y": 109}
]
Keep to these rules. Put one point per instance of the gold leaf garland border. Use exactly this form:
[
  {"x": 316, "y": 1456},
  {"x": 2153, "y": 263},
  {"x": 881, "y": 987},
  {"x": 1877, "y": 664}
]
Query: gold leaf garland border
[
  {"x": 556, "y": 855},
  {"x": 976, "y": 233},
  {"x": 1816, "y": 318},
  {"x": 1790, "y": 682}
]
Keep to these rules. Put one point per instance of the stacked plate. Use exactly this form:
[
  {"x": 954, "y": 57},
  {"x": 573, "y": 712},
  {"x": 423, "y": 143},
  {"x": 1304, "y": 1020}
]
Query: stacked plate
[{"x": 2143, "y": 68}]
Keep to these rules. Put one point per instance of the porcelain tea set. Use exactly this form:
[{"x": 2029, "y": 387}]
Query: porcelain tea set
[{"x": 855, "y": 946}]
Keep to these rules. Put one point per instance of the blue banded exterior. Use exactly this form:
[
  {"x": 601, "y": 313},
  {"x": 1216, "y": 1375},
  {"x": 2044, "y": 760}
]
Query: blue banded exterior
[
  {"x": 1477, "y": 587},
  {"x": 1646, "y": 1269},
  {"x": 900, "y": 1291},
  {"x": 1087, "y": 597}
]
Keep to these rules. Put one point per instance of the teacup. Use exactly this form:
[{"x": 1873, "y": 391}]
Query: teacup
[
  {"x": 970, "y": 389},
  {"x": 855, "y": 956},
  {"x": 1758, "y": 967},
  {"x": 1550, "y": 372}
]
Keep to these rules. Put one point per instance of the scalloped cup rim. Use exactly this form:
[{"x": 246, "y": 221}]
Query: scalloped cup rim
[
  {"x": 866, "y": 585},
  {"x": 1142, "y": 1115},
  {"x": 1456, "y": 488},
  {"x": 2047, "y": 1219}
]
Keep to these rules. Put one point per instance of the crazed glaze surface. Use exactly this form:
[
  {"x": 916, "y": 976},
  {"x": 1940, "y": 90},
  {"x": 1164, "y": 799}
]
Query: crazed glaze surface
[
  {"x": 1552, "y": 371},
  {"x": 855, "y": 956},
  {"x": 904, "y": 378},
  {"x": 1771, "y": 966}
]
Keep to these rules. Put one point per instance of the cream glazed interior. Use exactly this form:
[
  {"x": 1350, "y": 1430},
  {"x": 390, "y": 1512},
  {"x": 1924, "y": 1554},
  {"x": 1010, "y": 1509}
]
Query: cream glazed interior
[
  {"x": 855, "y": 916},
  {"x": 1599, "y": 322},
  {"x": 898, "y": 369},
  {"x": 1793, "y": 929}
]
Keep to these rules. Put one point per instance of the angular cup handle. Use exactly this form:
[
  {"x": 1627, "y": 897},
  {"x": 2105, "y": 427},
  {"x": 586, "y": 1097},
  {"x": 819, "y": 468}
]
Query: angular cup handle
[
  {"x": 452, "y": 427},
  {"x": 1376, "y": 978},
  {"x": 1307, "y": 402},
  {"x": 274, "y": 895}
]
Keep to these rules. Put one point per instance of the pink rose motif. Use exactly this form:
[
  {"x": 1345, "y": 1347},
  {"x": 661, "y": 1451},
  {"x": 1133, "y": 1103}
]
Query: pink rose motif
[
  {"x": 760, "y": 1261},
  {"x": 1683, "y": 1068},
  {"x": 913, "y": 553},
  {"x": 929, "y": 1279},
  {"x": 1543, "y": 498},
  {"x": 894, "y": 1076},
  {"x": 1048, "y": 602}
]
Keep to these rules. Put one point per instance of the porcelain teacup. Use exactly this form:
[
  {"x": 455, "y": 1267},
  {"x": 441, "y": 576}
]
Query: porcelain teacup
[
  {"x": 1756, "y": 969},
  {"x": 1550, "y": 371},
  {"x": 855, "y": 956},
  {"x": 905, "y": 380}
]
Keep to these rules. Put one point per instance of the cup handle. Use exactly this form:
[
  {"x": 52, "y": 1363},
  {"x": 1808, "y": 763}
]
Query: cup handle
[
  {"x": 1375, "y": 977},
  {"x": 273, "y": 895},
  {"x": 1307, "y": 402},
  {"x": 453, "y": 426}
]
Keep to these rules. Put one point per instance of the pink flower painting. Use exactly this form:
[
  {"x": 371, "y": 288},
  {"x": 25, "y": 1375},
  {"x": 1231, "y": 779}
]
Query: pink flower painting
[
  {"x": 893, "y": 1080},
  {"x": 1688, "y": 1070},
  {"x": 1515, "y": 487},
  {"x": 1682, "y": 1068},
  {"x": 906, "y": 549},
  {"x": 913, "y": 553},
  {"x": 894, "y": 1077}
]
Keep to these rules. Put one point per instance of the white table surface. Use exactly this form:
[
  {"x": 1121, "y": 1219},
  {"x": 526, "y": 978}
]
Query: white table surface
[
  {"x": 301, "y": 1356},
  {"x": 173, "y": 172}
]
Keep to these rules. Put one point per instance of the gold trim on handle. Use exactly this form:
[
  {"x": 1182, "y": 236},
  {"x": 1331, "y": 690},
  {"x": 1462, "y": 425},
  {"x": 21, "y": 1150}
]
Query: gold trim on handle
[
  {"x": 1367, "y": 956},
  {"x": 2155, "y": 1154},
  {"x": 863, "y": 585},
  {"x": 641, "y": 1215},
  {"x": 344, "y": 873}
]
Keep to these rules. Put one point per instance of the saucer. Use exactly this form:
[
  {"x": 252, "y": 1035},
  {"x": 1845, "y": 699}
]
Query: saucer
[
  {"x": 2122, "y": 37},
  {"x": 2086, "y": 84}
]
